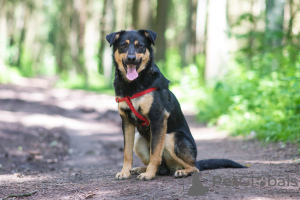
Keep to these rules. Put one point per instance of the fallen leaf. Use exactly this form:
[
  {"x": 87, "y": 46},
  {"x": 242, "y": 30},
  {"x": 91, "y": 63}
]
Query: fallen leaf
[
  {"x": 90, "y": 196},
  {"x": 53, "y": 143}
]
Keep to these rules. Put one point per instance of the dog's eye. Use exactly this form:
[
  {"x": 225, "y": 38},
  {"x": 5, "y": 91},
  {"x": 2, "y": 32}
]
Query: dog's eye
[
  {"x": 123, "y": 46},
  {"x": 140, "y": 46}
]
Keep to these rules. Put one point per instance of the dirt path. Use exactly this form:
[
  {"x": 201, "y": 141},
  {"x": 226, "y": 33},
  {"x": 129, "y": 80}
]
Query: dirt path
[{"x": 68, "y": 145}]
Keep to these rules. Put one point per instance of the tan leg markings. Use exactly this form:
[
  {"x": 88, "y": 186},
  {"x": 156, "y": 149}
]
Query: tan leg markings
[
  {"x": 128, "y": 150},
  {"x": 176, "y": 163},
  {"x": 156, "y": 156}
]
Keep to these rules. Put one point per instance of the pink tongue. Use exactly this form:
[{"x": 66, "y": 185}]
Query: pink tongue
[{"x": 131, "y": 72}]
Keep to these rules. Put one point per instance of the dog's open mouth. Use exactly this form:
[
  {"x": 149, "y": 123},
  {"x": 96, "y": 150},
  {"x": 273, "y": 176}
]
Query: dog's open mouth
[{"x": 132, "y": 71}]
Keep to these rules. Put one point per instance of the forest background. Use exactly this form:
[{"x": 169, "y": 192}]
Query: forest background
[{"x": 238, "y": 61}]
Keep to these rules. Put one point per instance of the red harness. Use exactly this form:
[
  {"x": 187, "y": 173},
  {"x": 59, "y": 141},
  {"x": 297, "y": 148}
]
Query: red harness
[{"x": 129, "y": 103}]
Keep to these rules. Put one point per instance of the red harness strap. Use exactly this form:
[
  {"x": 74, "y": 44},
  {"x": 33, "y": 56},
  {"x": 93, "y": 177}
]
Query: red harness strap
[{"x": 129, "y": 103}]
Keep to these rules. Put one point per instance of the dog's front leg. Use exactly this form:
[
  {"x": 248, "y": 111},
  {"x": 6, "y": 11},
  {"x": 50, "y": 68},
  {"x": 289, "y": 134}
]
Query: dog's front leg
[
  {"x": 128, "y": 132},
  {"x": 158, "y": 132}
]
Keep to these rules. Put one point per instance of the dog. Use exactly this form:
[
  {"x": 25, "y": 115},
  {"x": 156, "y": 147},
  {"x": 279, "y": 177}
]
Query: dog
[{"x": 164, "y": 142}]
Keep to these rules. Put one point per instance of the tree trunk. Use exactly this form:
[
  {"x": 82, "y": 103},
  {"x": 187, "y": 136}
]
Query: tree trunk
[
  {"x": 121, "y": 9},
  {"x": 23, "y": 34},
  {"x": 141, "y": 14},
  {"x": 62, "y": 34},
  {"x": 274, "y": 22},
  {"x": 217, "y": 41},
  {"x": 102, "y": 38},
  {"x": 161, "y": 26},
  {"x": 186, "y": 50},
  {"x": 3, "y": 40},
  {"x": 292, "y": 15},
  {"x": 77, "y": 41},
  {"x": 82, "y": 12},
  {"x": 107, "y": 25},
  {"x": 201, "y": 25}
]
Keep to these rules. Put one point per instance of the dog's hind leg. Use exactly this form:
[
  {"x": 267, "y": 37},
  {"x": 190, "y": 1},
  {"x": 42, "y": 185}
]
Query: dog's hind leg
[{"x": 178, "y": 156}]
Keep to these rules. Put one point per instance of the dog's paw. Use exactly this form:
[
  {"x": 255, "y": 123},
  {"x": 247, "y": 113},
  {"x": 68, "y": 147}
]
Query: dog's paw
[
  {"x": 145, "y": 176},
  {"x": 180, "y": 174},
  {"x": 122, "y": 175},
  {"x": 138, "y": 170}
]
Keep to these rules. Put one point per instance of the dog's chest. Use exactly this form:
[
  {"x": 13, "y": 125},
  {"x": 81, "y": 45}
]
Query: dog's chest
[{"x": 141, "y": 104}]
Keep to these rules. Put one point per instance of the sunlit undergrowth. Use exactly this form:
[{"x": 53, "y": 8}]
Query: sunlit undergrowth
[
  {"x": 245, "y": 102},
  {"x": 95, "y": 82},
  {"x": 8, "y": 75},
  {"x": 263, "y": 101}
]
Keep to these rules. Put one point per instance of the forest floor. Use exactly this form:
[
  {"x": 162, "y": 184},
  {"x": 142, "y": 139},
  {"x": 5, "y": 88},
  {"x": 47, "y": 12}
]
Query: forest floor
[{"x": 67, "y": 144}]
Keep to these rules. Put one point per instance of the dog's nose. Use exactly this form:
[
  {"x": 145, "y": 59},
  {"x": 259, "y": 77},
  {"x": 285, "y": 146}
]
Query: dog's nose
[{"x": 131, "y": 57}]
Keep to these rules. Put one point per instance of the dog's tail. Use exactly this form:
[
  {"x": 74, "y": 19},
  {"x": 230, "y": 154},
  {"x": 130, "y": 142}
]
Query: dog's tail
[{"x": 217, "y": 164}]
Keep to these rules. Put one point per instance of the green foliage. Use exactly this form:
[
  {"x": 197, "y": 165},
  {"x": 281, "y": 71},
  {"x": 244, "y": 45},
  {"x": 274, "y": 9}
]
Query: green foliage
[
  {"x": 171, "y": 68},
  {"x": 186, "y": 82},
  {"x": 193, "y": 75},
  {"x": 9, "y": 75},
  {"x": 95, "y": 82},
  {"x": 264, "y": 100},
  {"x": 26, "y": 64}
]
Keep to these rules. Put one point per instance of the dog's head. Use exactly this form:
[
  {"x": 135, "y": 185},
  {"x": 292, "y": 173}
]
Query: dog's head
[{"x": 131, "y": 51}]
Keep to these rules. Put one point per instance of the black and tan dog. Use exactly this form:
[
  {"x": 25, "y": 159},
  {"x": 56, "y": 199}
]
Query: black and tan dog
[{"x": 164, "y": 142}]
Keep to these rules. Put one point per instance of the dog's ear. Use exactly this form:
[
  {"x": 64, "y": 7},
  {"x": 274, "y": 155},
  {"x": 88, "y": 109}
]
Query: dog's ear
[
  {"x": 111, "y": 38},
  {"x": 149, "y": 34}
]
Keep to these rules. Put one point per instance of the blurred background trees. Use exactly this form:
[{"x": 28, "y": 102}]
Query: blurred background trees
[
  {"x": 68, "y": 37},
  {"x": 238, "y": 59}
]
